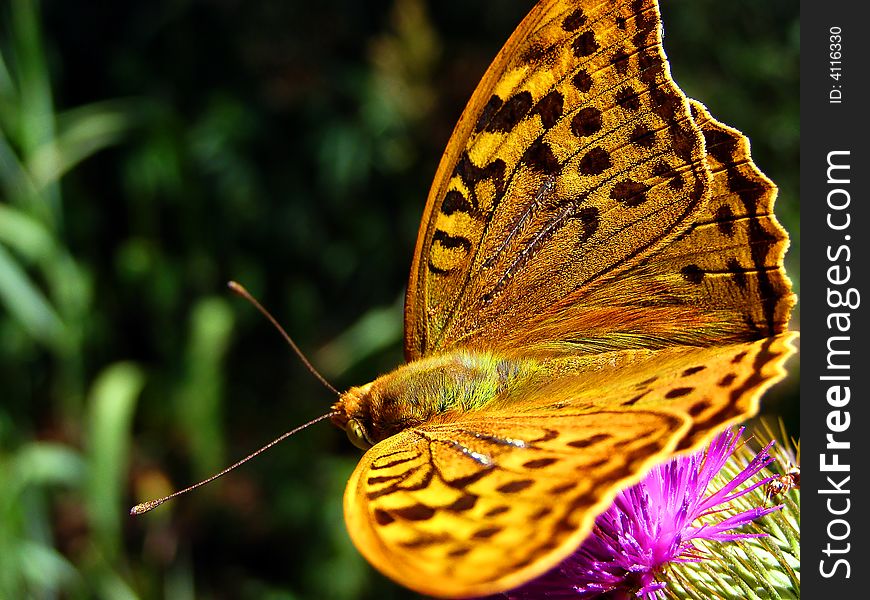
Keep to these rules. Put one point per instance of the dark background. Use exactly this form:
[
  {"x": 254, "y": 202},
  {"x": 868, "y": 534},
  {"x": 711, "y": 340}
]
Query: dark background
[
  {"x": 834, "y": 536},
  {"x": 149, "y": 152}
]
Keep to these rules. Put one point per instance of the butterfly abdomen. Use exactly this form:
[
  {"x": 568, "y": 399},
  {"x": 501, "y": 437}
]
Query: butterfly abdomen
[{"x": 437, "y": 386}]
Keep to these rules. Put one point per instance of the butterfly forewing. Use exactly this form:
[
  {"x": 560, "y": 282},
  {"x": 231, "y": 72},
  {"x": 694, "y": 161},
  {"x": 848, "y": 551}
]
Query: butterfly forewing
[
  {"x": 479, "y": 505},
  {"x": 479, "y": 502},
  {"x": 715, "y": 386},
  {"x": 576, "y": 156}
]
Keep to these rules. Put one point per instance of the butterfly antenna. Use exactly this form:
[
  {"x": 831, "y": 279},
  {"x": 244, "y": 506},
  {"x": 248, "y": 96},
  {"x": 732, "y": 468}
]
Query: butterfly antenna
[
  {"x": 143, "y": 508},
  {"x": 238, "y": 289}
]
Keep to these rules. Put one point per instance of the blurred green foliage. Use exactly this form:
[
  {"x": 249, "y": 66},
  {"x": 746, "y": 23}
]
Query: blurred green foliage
[{"x": 149, "y": 152}]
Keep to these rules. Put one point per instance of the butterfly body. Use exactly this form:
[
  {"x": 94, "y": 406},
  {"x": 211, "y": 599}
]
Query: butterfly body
[
  {"x": 434, "y": 387},
  {"x": 598, "y": 284},
  {"x": 446, "y": 386}
]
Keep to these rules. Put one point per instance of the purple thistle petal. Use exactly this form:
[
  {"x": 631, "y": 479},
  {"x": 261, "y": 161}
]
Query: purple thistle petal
[{"x": 650, "y": 525}]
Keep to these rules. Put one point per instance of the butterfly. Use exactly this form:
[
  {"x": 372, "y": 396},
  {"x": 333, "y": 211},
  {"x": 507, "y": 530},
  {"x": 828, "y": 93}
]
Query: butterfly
[{"x": 597, "y": 285}]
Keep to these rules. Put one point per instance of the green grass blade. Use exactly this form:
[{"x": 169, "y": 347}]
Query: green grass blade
[
  {"x": 111, "y": 404},
  {"x": 27, "y": 304}
]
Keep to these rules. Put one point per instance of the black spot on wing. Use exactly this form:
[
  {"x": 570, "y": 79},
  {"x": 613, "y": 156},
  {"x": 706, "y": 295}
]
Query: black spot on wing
[
  {"x": 485, "y": 533},
  {"x": 539, "y": 156},
  {"x": 541, "y": 513},
  {"x": 620, "y": 61},
  {"x": 645, "y": 30},
  {"x": 738, "y": 273},
  {"x": 454, "y": 202},
  {"x": 720, "y": 144},
  {"x": 585, "y": 44},
  {"x": 539, "y": 463},
  {"x": 471, "y": 174},
  {"x": 463, "y": 503},
  {"x": 629, "y": 192},
  {"x": 651, "y": 66},
  {"x": 513, "y": 487},
  {"x": 387, "y": 461},
  {"x": 549, "y": 108},
  {"x": 699, "y": 407},
  {"x": 462, "y": 482},
  {"x": 665, "y": 104},
  {"x": 590, "y": 441},
  {"x": 739, "y": 357},
  {"x": 382, "y": 517},
  {"x": 490, "y": 108},
  {"x": 511, "y": 113},
  {"x": 563, "y": 487},
  {"x": 498, "y": 510},
  {"x": 666, "y": 171},
  {"x": 642, "y": 136},
  {"x": 451, "y": 241},
  {"x": 414, "y": 512},
  {"x": 595, "y": 162},
  {"x": 628, "y": 99},
  {"x": 575, "y": 20},
  {"x": 727, "y": 380},
  {"x": 633, "y": 401},
  {"x": 586, "y": 122},
  {"x": 693, "y": 370},
  {"x": 724, "y": 220},
  {"x": 582, "y": 81},
  {"x": 678, "y": 392},
  {"x": 692, "y": 273}
]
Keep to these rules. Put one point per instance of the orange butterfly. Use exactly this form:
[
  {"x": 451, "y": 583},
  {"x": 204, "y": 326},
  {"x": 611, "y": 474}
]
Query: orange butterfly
[{"x": 597, "y": 284}]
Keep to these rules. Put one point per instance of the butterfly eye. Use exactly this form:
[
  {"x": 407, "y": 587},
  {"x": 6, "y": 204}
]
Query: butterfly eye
[{"x": 356, "y": 433}]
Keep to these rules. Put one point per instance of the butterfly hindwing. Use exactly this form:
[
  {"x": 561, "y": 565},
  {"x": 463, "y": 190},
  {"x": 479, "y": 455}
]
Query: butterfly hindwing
[
  {"x": 716, "y": 386},
  {"x": 721, "y": 281}
]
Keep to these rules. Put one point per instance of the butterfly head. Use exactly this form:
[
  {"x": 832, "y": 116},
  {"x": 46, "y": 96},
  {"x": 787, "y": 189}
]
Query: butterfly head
[
  {"x": 352, "y": 413},
  {"x": 382, "y": 408},
  {"x": 369, "y": 414}
]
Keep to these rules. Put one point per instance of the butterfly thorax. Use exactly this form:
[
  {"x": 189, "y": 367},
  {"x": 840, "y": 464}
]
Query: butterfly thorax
[{"x": 438, "y": 386}]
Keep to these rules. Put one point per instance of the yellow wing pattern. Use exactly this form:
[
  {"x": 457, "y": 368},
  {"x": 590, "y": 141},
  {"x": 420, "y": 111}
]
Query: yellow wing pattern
[
  {"x": 480, "y": 502},
  {"x": 552, "y": 258},
  {"x": 588, "y": 215},
  {"x": 576, "y": 156}
]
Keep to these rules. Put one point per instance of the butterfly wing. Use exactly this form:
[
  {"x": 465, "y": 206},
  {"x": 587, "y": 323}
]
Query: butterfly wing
[
  {"x": 576, "y": 156},
  {"x": 479, "y": 506},
  {"x": 694, "y": 257},
  {"x": 732, "y": 257},
  {"x": 480, "y": 502},
  {"x": 721, "y": 280}
]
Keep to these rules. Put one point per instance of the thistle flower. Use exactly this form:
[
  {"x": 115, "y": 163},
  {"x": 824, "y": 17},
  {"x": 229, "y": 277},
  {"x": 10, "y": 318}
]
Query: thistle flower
[
  {"x": 761, "y": 567},
  {"x": 667, "y": 520}
]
